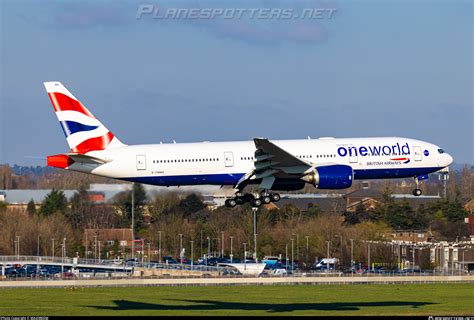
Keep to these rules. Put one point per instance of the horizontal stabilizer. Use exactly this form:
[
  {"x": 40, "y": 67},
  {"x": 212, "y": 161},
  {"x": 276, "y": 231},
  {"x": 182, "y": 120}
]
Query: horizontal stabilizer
[{"x": 64, "y": 161}]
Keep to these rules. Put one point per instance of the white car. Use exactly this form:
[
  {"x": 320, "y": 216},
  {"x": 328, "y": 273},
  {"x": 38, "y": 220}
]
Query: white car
[{"x": 279, "y": 272}]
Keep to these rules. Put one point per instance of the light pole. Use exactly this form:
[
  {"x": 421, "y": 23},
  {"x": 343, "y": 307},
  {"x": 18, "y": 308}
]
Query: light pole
[
  {"x": 297, "y": 247},
  {"x": 352, "y": 253},
  {"x": 245, "y": 256},
  {"x": 133, "y": 220},
  {"x": 328, "y": 255},
  {"x": 231, "y": 254},
  {"x": 192, "y": 254},
  {"x": 342, "y": 251},
  {"x": 86, "y": 244},
  {"x": 201, "y": 245},
  {"x": 254, "y": 209},
  {"x": 64, "y": 247},
  {"x": 292, "y": 257},
  {"x": 18, "y": 245},
  {"x": 307, "y": 248},
  {"x": 95, "y": 247},
  {"x": 181, "y": 248},
  {"x": 208, "y": 248},
  {"x": 399, "y": 257},
  {"x": 148, "y": 245},
  {"x": 368, "y": 256},
  {"x": 62, "y": 259},
  {"x": 52, "y": 247},
  {"x": 98, "y": 244},
  {"x": 159, "y": 246},
  {"x": 222, "y": 244}
]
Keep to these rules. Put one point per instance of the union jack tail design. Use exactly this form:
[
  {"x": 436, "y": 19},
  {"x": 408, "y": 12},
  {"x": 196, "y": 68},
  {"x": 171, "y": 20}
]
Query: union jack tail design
[{"x": 84, "y": 133}]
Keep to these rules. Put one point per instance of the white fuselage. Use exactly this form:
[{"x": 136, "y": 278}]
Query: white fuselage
[{"x": 224, "y": 163}]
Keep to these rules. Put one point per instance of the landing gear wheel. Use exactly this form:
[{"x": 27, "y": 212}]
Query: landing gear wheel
[
  {"x": 256, "y": 203},
  {"x": 230, "y": 203},
  {"x": 267, "y": 199},
  {"x": 248, "y": 197},
  {"x": 275, "y": 197},
  {"x": 417, "y": 191}
]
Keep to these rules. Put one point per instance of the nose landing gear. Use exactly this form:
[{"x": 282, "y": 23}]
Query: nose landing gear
[{"x": 417, "y": 192}]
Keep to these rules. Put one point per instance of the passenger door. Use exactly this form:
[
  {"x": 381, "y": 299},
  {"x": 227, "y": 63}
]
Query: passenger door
[
  {"x": 417, "y": 153},
  {"x": 229, "y": 159},
  {"x": 141, "y": 162}
]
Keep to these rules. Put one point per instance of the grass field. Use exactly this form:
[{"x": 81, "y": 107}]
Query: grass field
[{"x": 378, "y": 299}]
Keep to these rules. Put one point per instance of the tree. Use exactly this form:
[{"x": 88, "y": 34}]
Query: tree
[
  {"x": 313, "y": 210},
  {"x": 191, "y": 204},
  {"x": 124, "y": 201},
  {"x": 55, "y": 201},
  {"x": 80, "y": 207},
  {"x": 163, "y": 203},
  {"x": 466, "y": 185},
  {"x": 31, "y": 208}
]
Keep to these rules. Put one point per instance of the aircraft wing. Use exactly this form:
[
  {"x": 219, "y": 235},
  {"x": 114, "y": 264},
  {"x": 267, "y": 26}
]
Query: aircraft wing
[{"x": 271, "y": 162}]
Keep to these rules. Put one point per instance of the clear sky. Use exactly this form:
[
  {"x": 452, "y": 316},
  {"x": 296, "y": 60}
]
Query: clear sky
[{"x": 375, "y": 68}]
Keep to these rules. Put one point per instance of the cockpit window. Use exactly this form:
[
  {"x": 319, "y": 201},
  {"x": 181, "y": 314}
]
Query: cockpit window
[{"x": 440, "y": 150}]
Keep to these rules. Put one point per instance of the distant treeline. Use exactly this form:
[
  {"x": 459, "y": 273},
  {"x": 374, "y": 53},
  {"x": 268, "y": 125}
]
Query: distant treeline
[{"x": 20, "y": 177}]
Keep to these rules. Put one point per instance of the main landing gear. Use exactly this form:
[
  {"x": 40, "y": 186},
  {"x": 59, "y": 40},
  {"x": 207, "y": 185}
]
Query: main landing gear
[
  {"x": 417, "y": 192},
  {"x": 256, "y": 199}
]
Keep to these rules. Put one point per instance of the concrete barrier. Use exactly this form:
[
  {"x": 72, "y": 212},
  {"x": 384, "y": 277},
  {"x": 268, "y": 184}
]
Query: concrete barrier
[{"x": 232, "y": 281}]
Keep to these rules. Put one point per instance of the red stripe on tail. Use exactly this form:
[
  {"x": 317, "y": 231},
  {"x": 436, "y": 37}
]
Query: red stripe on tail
[
  {"x": 94, "y": 144},
  {"x": 62, "y": 102}
]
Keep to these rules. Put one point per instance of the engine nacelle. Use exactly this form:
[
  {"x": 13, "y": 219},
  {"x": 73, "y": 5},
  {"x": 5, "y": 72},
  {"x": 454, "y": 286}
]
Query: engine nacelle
[{"x": 336, "y": 176}]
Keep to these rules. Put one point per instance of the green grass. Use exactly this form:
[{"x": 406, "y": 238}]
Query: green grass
[{"x": 381, "y": 299}]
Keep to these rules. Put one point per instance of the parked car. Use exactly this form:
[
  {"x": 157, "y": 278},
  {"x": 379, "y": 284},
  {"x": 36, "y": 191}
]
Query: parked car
[
  {"x": 279, "y": 271},
  {"x": 270, "y": 261},
  {"x": 169, "y": 260},
  {"x": 131, "y": 262},
  {"x": 326, "y": 264}
]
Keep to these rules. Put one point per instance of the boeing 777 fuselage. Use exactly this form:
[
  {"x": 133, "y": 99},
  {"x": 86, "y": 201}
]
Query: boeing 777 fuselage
[{"x": 326, "y": 163}]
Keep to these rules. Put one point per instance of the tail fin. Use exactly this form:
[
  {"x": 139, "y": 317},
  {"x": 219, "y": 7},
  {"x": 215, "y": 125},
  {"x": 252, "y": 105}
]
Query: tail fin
[{"x": 83, "y": 131}]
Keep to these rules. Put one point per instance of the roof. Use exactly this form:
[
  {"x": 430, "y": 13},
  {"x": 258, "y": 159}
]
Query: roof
[
  {"x": 23, "y": 196},
  {"x": 416, "y": 200},
  {"x": 326, "y": 202},
  {"x": 364, "y": 193},
  {"x": 469, "y": 205}
]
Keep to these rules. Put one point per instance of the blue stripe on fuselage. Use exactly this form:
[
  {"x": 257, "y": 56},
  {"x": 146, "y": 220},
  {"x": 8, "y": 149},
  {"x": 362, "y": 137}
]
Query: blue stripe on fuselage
[
  {"x": 361, "y": 174},
  {"x": 232, "y": 179},
  {"x": 213, "y": 179}
]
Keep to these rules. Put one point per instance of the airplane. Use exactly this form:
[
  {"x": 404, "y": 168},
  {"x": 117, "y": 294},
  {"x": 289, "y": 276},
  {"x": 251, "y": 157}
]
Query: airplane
[{"x": 267, "y": 166}]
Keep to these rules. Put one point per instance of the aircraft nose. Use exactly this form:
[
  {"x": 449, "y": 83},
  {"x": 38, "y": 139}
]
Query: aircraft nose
[{"x": 449, "y": 159}]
